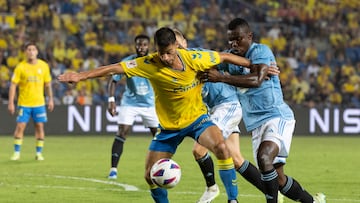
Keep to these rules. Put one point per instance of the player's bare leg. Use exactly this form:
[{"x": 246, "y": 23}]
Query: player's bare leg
[
  {"x": 18, "y": 140},
  {"x": 213, "y": 140},
  {"x": 267, "y": 152},
  {"x": 39, "y": 136},
  {"x": 158, "y": 194},
  {"x": 206, "y": 164},
  {"x": 246, "y": 169},
  {"x": 117, "y": 149}
]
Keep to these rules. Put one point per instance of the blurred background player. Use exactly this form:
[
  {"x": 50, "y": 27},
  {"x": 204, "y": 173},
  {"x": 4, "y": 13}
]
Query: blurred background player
[
  {"x": 137, "y": 100},
  {"x": 266, "y": 115},
  {"x": 225, "y": 111},
  {"x": 32, "y": 76}
]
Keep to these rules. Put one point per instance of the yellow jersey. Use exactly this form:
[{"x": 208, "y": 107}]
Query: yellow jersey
[
  {"x": 178, "y": 100},
  {"x": 30, "y": 79}
]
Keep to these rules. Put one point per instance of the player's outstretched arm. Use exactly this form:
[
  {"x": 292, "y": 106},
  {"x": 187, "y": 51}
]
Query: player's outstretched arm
[
  {"x": 253, "y": 79},
  {"x": 234, "y": 59},
  {"x": 94, "y": 73}
]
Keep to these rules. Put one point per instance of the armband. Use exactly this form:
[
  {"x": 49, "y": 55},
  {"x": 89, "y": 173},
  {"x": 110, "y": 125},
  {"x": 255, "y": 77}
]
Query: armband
[{"x": 111, "y": 99}]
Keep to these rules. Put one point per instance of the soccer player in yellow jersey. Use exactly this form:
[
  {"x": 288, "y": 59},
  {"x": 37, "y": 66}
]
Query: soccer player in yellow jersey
[
  {"x": 31, "y": 76},
  {"x": 178, "y": 102}
]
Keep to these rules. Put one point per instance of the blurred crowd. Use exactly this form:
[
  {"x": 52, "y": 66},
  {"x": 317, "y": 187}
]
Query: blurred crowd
[{"x": 316, "y": 42}]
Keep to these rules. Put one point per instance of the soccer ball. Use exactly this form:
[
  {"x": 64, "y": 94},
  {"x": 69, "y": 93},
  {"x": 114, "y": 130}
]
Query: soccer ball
[{"x": 165, "y": 173}]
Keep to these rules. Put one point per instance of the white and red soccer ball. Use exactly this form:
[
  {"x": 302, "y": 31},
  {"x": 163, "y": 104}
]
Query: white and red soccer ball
[{"x": 165, "y": 173}]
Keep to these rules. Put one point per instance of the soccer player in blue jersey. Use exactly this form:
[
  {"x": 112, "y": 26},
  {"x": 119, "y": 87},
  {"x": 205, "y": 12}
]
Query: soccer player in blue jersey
[
  {"x": 178, "y": 103},
  {"x": 225, "y": 111},
  {"x": 265, "y": 113},
  {"x": 137, "y": 100}
]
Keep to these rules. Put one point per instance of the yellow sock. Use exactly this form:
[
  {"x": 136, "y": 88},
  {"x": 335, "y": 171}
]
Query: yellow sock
[{"x": 225, "y": 164}]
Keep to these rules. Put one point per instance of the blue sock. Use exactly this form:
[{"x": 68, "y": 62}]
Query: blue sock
[
  {"x": 159, "y": 195},
  {"x": 228, "y": 176}
]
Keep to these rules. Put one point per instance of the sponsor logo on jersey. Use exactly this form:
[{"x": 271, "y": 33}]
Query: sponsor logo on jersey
[
  {"x": 187, "y": 87},
  {"x": 131, "y": 64}
]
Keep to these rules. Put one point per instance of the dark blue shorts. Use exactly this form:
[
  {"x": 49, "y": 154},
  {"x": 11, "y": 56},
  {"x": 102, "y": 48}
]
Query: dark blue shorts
[{"x": 168, "y": 140}]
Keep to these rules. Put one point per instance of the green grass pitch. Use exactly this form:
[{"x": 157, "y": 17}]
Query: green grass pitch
[{"x": 75, "y": 170}]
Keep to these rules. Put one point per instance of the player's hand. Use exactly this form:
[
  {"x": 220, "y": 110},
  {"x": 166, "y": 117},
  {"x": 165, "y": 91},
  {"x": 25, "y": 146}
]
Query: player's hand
[
  {"x": 69, "y": 77},
  {"x": 11, "y": 108},
  {"x": 51, "y": 104},
  {"x": 273, "y": 70},
  {"x": 211, "y": 75},
  {"x": 112, "y": 109}
]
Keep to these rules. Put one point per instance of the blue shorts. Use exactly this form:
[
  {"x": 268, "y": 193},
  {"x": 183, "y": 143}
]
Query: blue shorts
[
  {"x": 38, "y": 114},
  {"x": 168, "y": 140}
]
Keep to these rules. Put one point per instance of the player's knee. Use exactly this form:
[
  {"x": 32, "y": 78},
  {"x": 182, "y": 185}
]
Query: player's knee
[
  {"x": 122, "y": 134},
  {"x": 123, "y": 131},
  {"x": 20, "y": 127},
  {"x": 265, "y": 161},
  {"x": 220, "y": 150},
  {"x": 39, "y": 129}
]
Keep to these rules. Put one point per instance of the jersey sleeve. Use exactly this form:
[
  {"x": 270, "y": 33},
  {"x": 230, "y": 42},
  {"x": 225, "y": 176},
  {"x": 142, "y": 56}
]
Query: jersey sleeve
[{"x": 141, "y": 67}]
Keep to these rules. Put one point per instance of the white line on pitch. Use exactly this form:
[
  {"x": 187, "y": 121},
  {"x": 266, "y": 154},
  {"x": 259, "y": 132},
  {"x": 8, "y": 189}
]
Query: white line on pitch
[
  {"x": 125, "y": 186},
  {"x": 131, "y": 187},
  {"x": 66, "y": 187},
  {"x": 143, "y": 191}
]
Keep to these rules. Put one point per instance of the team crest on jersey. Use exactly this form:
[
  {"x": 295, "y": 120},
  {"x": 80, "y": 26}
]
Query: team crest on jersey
[
  {"x": 131, "y": 64},
  {"x": 196, "y": 55}
]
